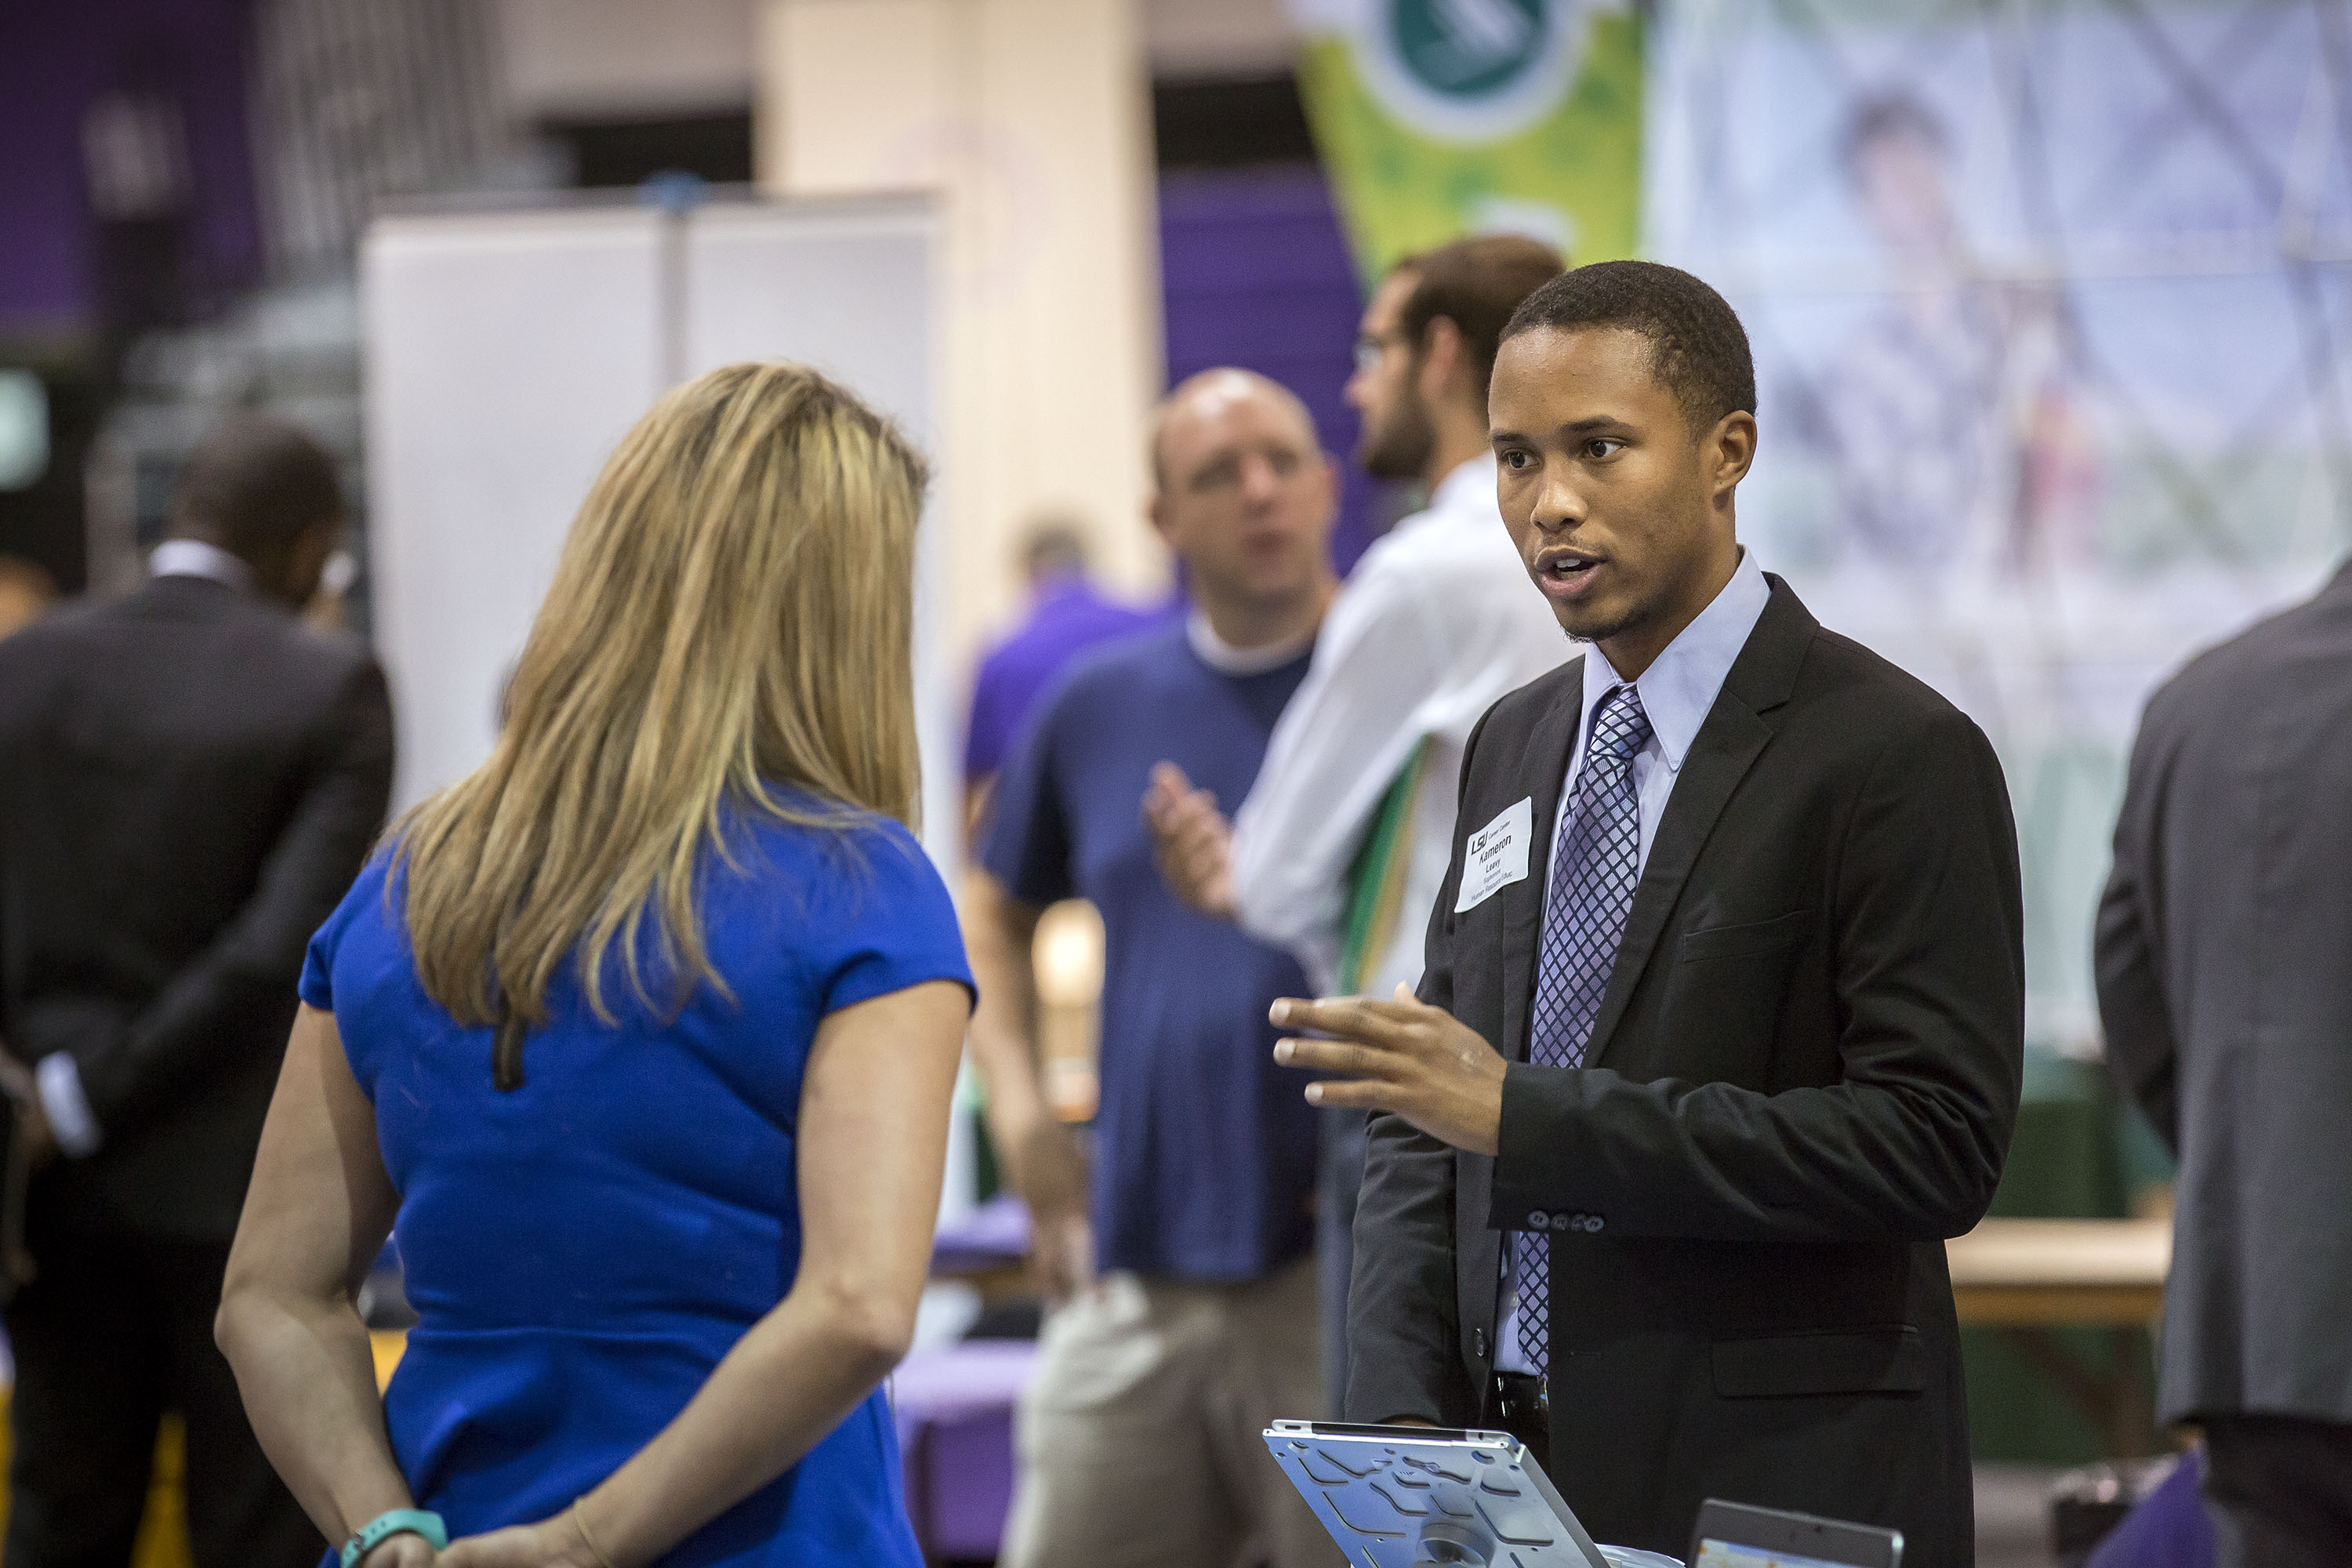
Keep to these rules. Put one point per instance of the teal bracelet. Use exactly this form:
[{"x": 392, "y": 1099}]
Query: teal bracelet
[{"x": 397, "y": 1521}]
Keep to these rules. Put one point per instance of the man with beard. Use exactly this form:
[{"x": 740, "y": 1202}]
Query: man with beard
[{"x": 1344, "y": 839}]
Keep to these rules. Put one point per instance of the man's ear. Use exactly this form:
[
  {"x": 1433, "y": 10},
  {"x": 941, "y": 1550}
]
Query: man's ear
[
  {"x": 1731, "y": 451},
  {"x": 1442, "y": 361}
]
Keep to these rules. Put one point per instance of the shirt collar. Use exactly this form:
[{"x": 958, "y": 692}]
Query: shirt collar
[
  {"x": 196, "y": 558},
  {"x": 1226, "y": 659},
  {"x": 1682, "y": 683}
]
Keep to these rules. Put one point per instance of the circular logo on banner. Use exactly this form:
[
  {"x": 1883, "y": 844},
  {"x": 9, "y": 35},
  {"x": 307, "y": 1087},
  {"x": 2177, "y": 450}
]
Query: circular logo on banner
[{"x": 1471, "y": 70}]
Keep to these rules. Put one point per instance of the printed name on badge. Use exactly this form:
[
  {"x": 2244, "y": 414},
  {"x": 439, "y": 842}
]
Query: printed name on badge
[{"x": 1496, "y": 855}]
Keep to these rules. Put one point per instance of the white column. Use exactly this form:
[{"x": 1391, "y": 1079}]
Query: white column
[{"x": 1032, "y": 118}]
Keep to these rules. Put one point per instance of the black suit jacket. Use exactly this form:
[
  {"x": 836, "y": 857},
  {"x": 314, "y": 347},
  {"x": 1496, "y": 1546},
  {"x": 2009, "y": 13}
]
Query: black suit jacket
[
  {"x": 189, "y": 780},
  {"x": 1803, "y": 1078}
]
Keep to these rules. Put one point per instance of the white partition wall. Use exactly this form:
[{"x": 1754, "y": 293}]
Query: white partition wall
[{"x": 507, "y": 353}]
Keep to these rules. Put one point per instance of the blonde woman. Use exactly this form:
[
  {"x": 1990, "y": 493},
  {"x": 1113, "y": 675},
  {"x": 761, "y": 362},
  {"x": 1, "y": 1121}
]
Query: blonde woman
[{"x": 644, "y": 1032}]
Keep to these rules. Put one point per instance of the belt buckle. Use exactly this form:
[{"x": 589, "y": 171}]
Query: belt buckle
[{"x": 1520, "y": 1393}]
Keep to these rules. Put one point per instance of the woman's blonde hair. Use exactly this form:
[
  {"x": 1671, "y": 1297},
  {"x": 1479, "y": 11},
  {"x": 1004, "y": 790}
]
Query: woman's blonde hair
[{"x": 730, "y": 622}]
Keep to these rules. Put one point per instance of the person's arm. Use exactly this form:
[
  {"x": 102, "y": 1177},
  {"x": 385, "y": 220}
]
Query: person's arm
[
  {"x": 2129, "y": 949},
  {"x": 259, "y": 951},
  {"x": 1342, "y": 739},
  {"x": 1928, "y": 968},
  {"x": 315, "y": 1217},
  {"x": 872, "y": 1149},
  {"x": 1040, "y": 1152}
]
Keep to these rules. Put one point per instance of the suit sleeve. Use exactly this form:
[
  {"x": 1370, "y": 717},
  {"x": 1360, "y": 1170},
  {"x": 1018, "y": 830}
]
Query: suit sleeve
[
  {"x": 1927, "y": 966},
  {"x": 1404, "y": 1354},
  {"x": 2128, "y": 948},
  {"x": 256, "y": 957}
]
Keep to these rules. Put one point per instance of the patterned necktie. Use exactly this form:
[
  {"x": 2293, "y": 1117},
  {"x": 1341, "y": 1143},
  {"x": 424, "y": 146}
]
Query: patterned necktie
[{"x": 1594, "y": 867}]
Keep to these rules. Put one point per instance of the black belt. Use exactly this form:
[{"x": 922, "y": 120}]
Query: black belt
[{"x": 1521, "y": 1405}]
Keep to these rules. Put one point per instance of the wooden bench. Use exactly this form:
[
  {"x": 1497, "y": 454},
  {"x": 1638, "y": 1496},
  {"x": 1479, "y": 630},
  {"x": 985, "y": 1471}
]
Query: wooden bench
[{"x": 2029, "y": 1277}]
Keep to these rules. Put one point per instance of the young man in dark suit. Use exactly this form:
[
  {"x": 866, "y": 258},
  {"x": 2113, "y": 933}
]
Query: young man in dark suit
[
  {"x": 189, "y": 779},
  {"x": 1720, "y": 1030}
]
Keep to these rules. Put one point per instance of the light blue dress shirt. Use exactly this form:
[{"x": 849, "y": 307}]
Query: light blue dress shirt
[{"x": 1677, "y": 693}]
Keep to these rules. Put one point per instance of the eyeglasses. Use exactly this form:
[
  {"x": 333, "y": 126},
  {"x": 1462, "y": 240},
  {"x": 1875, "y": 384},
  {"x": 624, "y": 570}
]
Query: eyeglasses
[{"x": 1370, "y": 350}]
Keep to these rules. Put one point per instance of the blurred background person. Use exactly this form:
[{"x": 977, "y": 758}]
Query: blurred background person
[
  {"x": 1339, "y": 851},
  {"x": 2224, "y": 993},
  {"x": 26, "y": 592},
  {"x": 1068, "y": 614},
  {"x": 669, "y": 957},
  {"x": 1954, "y": 415},
  {"x": 189, "y": 778},
  {"x": 1178, "y": 1254}
]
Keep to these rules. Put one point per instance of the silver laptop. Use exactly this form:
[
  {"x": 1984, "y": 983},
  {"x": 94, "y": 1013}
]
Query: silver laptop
[{"x": 1420, "y": 1497}]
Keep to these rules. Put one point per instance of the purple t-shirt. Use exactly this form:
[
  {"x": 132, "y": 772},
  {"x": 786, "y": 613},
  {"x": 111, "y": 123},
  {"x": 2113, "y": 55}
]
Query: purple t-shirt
[{"x": 1067, "y": 619}]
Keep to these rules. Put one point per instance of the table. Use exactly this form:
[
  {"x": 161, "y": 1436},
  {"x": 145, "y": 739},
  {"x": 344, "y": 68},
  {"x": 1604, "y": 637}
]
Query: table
[{"x": 2029, "y": 1277}]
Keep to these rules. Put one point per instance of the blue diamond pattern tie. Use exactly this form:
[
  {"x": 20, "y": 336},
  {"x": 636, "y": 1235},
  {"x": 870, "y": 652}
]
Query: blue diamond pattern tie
[{"x": 1595, "y": 866}]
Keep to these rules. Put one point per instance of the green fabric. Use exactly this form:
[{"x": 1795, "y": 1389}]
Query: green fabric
[{"x": 1548, "y": 141}]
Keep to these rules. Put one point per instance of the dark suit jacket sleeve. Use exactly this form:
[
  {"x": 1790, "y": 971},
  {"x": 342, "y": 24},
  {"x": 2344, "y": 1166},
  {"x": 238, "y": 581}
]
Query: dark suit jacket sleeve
[
  {"x": 1404, "y": 1352},
  {"x": 2128, "y": 953},
  {"x": 259, "y": 952},
  {"x": 1927, "y": 968}
]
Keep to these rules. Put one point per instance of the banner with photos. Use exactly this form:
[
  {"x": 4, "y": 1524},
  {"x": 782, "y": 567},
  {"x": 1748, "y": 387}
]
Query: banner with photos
[
  {"x": 2052, "y": 306},
  {"x": 1435, "y": 119}
]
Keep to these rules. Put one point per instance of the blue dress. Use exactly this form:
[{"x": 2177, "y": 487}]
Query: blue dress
[{"x": 583, "y": 1249}]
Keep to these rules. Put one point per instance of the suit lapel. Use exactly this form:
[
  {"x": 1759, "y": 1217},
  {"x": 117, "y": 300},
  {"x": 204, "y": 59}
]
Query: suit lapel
[
  {"x": 1550, "y": 742},
  {"x": 1726, "y": 747}
]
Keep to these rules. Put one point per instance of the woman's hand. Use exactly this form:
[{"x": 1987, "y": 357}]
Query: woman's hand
[
  {"x": 401, "y": 1550},
  {"x": 550, "y": 1543}
]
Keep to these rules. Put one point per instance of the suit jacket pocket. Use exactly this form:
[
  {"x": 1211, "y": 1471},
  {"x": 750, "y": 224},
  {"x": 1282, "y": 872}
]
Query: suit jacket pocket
[
  {"x": 1847, "y": 1361},
  {"x": 1723, "y": 992},
  {"x": 1776, "y": 935}
]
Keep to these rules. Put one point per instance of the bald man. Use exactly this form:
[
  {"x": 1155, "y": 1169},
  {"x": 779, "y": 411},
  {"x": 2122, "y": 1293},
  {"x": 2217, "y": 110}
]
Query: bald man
[{"x": 1177, "y": 1248}]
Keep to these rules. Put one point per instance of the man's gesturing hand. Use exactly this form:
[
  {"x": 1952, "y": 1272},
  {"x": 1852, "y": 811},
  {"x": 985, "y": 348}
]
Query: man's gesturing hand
[
  {"x": 1418, "y": 1061},
  {"x": 1192, "y": 840}
]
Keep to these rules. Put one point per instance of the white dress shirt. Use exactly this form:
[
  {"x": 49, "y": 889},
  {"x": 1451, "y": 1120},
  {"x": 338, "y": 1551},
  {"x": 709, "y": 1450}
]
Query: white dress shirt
[
  {"x": 63, "y": 1102},
  {"x": 1677, "y": 691},
  {"x": 1438, "y": 620},
  {"x": 194, "y": 558}
]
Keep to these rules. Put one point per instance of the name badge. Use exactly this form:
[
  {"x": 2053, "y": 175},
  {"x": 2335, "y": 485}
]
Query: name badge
[{"x": 1496, "y": 855}]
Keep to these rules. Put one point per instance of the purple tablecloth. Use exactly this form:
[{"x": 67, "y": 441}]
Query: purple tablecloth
[{"x": 954, "y": 1407}]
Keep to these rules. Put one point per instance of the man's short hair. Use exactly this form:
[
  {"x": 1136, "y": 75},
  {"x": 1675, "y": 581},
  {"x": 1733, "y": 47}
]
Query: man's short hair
[
  {"x": 1054, "y": 546},
  {"x": 253, "y": 486},
  {"x": 1237, "y": 378},
  {"x": 1698, "y": 346},
  {"x": 1476, "y": 284}
]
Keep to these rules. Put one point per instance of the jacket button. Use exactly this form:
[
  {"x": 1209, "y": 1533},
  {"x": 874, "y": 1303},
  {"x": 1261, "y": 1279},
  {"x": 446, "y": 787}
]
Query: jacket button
[
  {"x": 1478, "y": 1344},
  {"x": 1539, "y": 1220},
  {"x": 1565, "y": 1222},
  {"x": 1592, "y": 1225}
]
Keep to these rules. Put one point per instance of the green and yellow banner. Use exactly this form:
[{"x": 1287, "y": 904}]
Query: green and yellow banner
[{"x": 1441, "y": 117}]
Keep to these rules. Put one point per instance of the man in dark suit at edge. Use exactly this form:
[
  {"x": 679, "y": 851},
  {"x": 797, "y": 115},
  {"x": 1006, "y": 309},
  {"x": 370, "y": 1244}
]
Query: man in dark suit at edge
[
  {"x": 2227, "y": 1006},
  {"x": 189, "y": 779},
  {"x": 1721, "y": 1031}
]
